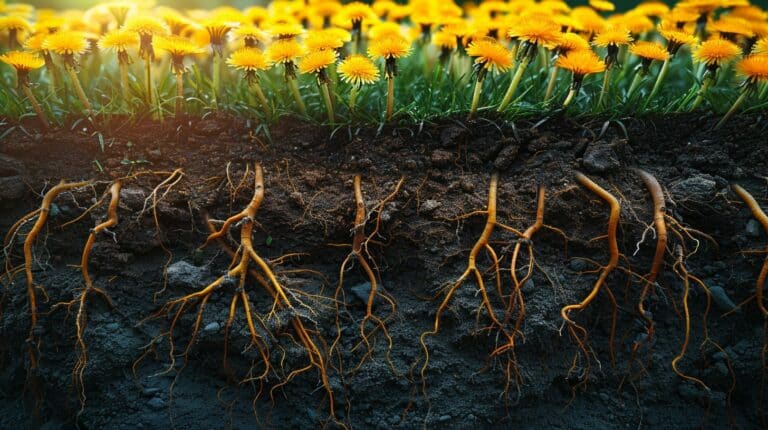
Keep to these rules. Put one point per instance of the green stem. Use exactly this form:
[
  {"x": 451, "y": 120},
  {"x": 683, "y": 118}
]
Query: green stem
[
  {"x": 35, "y": 105},
  {"x": 604, "y": 90},
  {"x": 294, "y": 86},
  {"x": 475, "y": 98},
  {"x": 124, "y": 84},
  {"x": 763, "y": 91},
  {"x": 659, "y": 81},
  {"x": 514, "y": 83},
  {"x": 148, "y": 79},
  {"x": 733, "y": 108},
  {"x": 352, "y": 98},
  {"x": 570, "y": 97},
  {"x": 636, "y": 81},
  {"x": 216, "y": 79},
  {"x": 79, "y": 90},
  {"x": 551, "y": 84},
  {"x": 328, "y": 104},
  {"x": 262, "y": 99},
  {"x": 701, "y": 93},
  {"x": 390, "y": 97},
  {"x": 179, "y": 96}
]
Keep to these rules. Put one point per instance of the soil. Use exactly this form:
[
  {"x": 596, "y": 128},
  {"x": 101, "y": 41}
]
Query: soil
[{"x": 309, "y": 208}]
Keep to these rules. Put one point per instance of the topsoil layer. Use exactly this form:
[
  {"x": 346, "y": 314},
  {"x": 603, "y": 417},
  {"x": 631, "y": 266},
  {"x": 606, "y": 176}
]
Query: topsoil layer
[{"x": 309, "y": 209}]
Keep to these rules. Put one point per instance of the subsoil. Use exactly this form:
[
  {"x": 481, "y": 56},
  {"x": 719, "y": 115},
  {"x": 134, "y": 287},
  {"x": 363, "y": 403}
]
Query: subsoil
[{"x": 309, "y": 209}]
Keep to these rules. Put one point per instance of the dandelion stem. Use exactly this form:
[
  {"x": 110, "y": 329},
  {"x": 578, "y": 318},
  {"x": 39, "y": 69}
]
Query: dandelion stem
[
  {"x": 734, "y": 108},
  {"x": 262, "y": 99},
  {"x": 79, "y": 90},
  {"x": 514, "y": 83},
  {"x": 35, "y": 105},
  {"x": 148, "y": 78},
  {"x": 701, "y": 93},
  {"x": 216, "y": 79},
  {"x": 390, "y": 96},
  {"x": 179, "y": 96},
  {"x": 604, "y": 90},
  {"x": 476, "y": 98},
  {"x": 569, "y": 98},
  {"x": 659, "y": 80},
  {"x": 352, "y": 98},
  {"x": 551, "y": 84},
  {"x": 636, "y": 81},
  {"x": 294, "y": 86},
  {"x": 328, "y": 104},
  {"x": 124, "y": 83}
]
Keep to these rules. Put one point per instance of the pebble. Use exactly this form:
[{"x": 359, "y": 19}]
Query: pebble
[
  {"x": 467, "y": 186},
  {"x": 452, "y": 136},
  {"x": 578, "y": 265},
  {"x": 430, "y": 205},
  {"x": 112, "y": 326},
  {"x": 753, "y": 228},
  {"x": 506, "y": 157},
  {"x": 156, "y": 403},
  {"x": 444, "y": 418},
  {"x": 721, "y": 298},
  {"x": 441, "y": 158},
  {"x": 600, "y": 158},
  {"x": 212, "y": 327},
  {"x": 183, "y": 274}
]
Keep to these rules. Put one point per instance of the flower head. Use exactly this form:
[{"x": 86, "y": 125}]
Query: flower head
[
  {"x": 217, "y": 33},
  {"x": 22, "y": 61},
  {"x": 612, "y": 36},
  {"x": 714, "y": 52},
  {"x": 178, "y": 47},
  {"x": 536, "y": 32},
  {"x": 761, "y": 47},
  {"x": 389, "y": 47},
  {"x": 571, "y": 42},
  {"x": 252, "y": 36},
  {"x": 353, "y": 14},
  {"x": 119, "y": 41},
  {"x": 284, "y": 51},
  {"x": 317, "y": 61},
  {"x": 14, "y": 23},
  {"x": 445, "y": 40},
  {"x": 358, "y": 70},
  {"x": 581, "y": 63},
  {"x": 602, "y": 5},
  {"x": 649, "y": 51},
  {"x": 676, "y": 38},
  {"x": 731, "y": 27},
  {"x": 490, "y": 55},
  {"x": 68, "y": 44},
  {"x": 323, "y": 40},
  {"x": 754, "y": 68},
  {"x": 249, "y": 60},
  {"x": 287, "y": 30},
  {"x": 147, "y": 27}
]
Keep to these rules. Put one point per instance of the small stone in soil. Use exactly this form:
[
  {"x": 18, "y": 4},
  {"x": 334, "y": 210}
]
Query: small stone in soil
[
  {"x": 753, "y": 228},
  {"x": 156, "y": 403},
  {"x": 430, "y": 205},
  {"x": 721, "y": 298},
  {"x": 181, "y": 274},
  {"x": 212, "y": 327},
  {"x": 600, "y": 158},
  {"x": 441, "y": 158}
]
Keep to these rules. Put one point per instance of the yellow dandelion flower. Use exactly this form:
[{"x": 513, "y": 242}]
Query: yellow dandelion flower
[
  {"x": 750, "y": 13},
  {"x": 761, "y": 47},
  {"x": 178, "y": 47},
  {"x": 66, "y": 43},
  {"x": 49, "y": 25},
  {"x": 676, "y": 38},
  {"x": 217, "y": 33},
  {"x": 251, "y": 35},
  {"x": 581, "y": 63},
  {"x": 649, "y": 51},
  {"x": 654, "y": 9},
  {"x": 288, "y": 30},
  {"x": 536, "y": 33},
  {"x": 146, "y": 26},
  {"x": 445, "y": 40},
  {"x": 571, "y": 42},
  {"x": 22, "y": 61},
  {"x": 678, "y": 17},
  {"x": 175, "y": 21},
  {"x": 384, "y": 29},
  {"x": 602, "y": 5},
  {"x": 731, "y": 27},
  {"x": 256, "y": 15},
  {"x": 490, "y": 55},
  {"x": 389, "y": 47},
  {"x": 588, "y": 20},
  {"x": 754, "y": 68},
  {"x": 323, "y": 40},
  {"x": 636, "y": 23},
  {"x": 119, "y": 40},
  {"x": 284, "y": 52},
  {"x": 35, "y": 42},
  {"x": 14, "y": 23},
  {"x": 714, "y": 52},
  {"x": 248, "y": 60},
  {"x": 358, "y": 70},
  {"x": 316, "y": 62},
  {"x": 356, "y": 12},
  {"x": 613, "y": 36}
]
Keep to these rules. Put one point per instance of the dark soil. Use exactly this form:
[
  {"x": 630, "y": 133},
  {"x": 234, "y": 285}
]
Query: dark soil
[{"x": 309, "y": 209}]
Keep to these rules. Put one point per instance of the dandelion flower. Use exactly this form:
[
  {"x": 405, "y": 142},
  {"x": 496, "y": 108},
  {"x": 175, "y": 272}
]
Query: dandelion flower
[
  {"x": 119, "y": 41},
  {"x": 580, "y": 64},
  {"x": 649, "y": 51},
  {"x": 324, "y": 40},
  {"x": 761, "y": 47},
  {"x": 602, "y": 5},
  {"x": 610, "y": 38},
  {"x": 23, "y": 62},
  {"x": 568, "y": 42},
  {"x": 714, "y": 52},
  {"x": 250, "y": 61},
  {"x": 178, "y": 47},
  {"x": 68, "y": 44},
  {"x": 754, "y": 69},
  {"x": 390, "y": 48},
  {"x": 147, "y": 27},
  {"x": 676, "y": 38},
  {"x": 16, "y": 26},
  {"x": 358, "y": 70},
  {"x": 286, "y": 52},
  {"x": 286, "y": 31},
  {"x": 316, "y": 63},
  {"x": 489, "y": 55}
]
